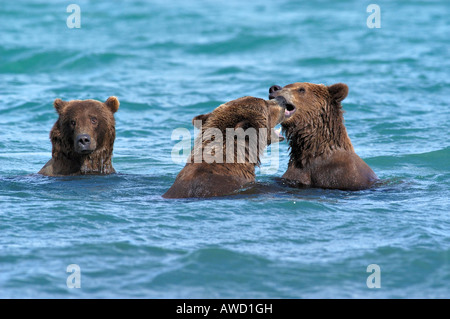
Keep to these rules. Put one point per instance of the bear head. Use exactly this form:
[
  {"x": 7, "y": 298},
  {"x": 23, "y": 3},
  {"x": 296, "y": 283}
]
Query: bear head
[
  {"x": 246, "y": 124},
  {"x": 246, "y": 112},
  {"x": 309, "y": 98},
  {"x": 318, "y": 124},
  {"x": 84, "y": 126}
]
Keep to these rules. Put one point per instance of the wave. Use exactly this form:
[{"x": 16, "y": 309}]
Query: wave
[
  {"x": 434, "y": 159},
  {"x": 33, "y": 61},
  {"x": 237, "y": 44}
]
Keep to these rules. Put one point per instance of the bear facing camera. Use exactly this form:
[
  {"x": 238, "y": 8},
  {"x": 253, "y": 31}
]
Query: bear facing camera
[{"x": 82, "y": 138}]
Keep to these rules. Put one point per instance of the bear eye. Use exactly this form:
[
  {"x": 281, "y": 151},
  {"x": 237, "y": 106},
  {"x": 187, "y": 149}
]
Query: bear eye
[
  {"x": 301, "y": 90},
  {"x": 94, "y": 120},
  {"x": 73, "y": 123}
]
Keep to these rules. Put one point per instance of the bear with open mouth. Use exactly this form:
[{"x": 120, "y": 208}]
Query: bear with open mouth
[
  {"x": 321, "y": 153},
  {"x": 231, "y": 139}
]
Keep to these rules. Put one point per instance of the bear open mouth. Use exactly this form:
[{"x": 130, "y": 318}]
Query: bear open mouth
[{"x": 289, "y": 110}]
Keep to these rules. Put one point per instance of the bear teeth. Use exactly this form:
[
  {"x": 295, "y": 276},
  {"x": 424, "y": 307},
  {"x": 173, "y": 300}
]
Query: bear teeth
[{"x": 277, "y": 131}]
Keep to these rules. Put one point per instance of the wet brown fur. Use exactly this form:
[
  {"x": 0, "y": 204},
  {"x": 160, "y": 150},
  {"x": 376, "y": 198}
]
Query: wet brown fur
[
  {"x": 321, "y": 153},
  {"x": 217, "y": 179},
  {"x": 65, "y": 159}
]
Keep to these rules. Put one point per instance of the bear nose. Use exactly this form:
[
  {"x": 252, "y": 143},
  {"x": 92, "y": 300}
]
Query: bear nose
[
  {"x": 83, "y": 140},
  {"x": 272, "y": 90}
]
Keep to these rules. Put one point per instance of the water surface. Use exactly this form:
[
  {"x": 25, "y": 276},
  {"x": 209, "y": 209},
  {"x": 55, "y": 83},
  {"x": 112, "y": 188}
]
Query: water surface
[{"x": 170, "y": 61}]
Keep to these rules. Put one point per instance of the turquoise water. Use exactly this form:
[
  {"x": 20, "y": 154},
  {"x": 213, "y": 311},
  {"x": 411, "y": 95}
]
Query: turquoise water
[{"x": 168, "y": 61}]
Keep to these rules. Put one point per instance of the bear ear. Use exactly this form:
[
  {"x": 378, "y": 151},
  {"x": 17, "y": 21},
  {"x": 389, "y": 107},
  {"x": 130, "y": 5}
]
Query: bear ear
[
  {"x": 112, "y": 103},
  {"x": 338, "y": 91},
  {"x": 59, "y": 105},
  {"x": 196, "y": 120}
]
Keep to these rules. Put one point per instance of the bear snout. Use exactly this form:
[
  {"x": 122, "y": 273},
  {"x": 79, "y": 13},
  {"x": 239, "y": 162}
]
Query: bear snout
[
  {"x": 83, "y": 144},
  {"x": 272, "y": 90},
  {"x": 289, "y": 108},
  {"x": 281, "y": 100}
]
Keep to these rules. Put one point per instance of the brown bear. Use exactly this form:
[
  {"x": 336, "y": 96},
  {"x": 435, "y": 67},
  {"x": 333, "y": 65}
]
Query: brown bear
[
  {"x": 321, "y": 153},
  {"x": 82, "y": 138},
  {"x": 231, "y": 139}
]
